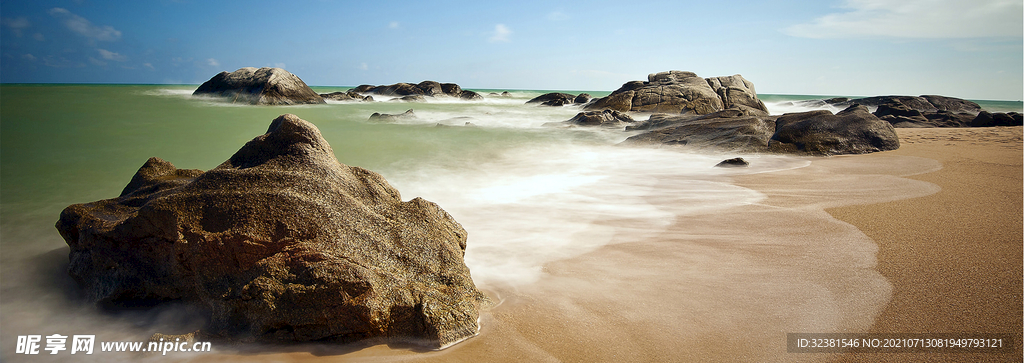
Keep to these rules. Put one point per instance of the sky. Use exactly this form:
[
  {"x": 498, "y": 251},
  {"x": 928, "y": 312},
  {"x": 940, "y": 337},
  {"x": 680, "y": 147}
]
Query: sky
[{"x": 970, "y": 49}]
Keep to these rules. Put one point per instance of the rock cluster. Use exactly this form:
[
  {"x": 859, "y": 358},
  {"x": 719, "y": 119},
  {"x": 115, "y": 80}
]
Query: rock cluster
[
  {"x": 346, "y": 96},
  {"x": 677, "y": 92},
  {"x": 279, "y": 243},
  {"x": 264, "y": 86},
  {"x": 560, "y": 99},
  {"x": 425, "y": 89},
  {"x": 931, "y": 111},
  {"x": 852, "y": 131}
]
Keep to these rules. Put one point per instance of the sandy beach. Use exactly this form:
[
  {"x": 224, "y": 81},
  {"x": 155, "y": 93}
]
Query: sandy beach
[
  {"x": 942, "y": 214},
  {"x": 953, "y": 257}
]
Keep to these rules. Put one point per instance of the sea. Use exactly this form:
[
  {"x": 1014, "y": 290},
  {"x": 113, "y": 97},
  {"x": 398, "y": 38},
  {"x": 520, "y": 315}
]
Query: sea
[{"x": 527, "y": 193}]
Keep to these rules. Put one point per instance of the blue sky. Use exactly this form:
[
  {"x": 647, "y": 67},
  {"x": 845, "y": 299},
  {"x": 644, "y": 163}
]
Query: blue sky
[{"x": 965, "y": 48}]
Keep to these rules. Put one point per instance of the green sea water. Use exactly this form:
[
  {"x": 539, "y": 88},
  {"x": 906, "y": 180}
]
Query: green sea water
[{"x": 526, "y": 193}]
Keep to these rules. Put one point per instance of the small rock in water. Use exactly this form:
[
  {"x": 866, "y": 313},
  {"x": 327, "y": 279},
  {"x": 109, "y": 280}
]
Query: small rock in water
[{"x": 733, "y": 163}]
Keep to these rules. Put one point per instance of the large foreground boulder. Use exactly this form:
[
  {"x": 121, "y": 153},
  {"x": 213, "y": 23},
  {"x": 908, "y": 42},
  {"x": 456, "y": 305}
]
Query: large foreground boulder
[
  {"x": 279, "y": 243},
  {"x": 682, "y": 92},
  {"x": 264, "y": 86}
]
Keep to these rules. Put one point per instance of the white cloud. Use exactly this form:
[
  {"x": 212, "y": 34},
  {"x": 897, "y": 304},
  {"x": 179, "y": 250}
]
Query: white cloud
[
  {"x": 501, "y": 34},
  {"x": 28, "y": 57},
  {"x": 108, "y": 55},
  {"x": 97, "y": 62},
  {"x": 364, "y": 66},
  {"x": 17, "y": 24},
  {"x": 393, "y": 25},
  {"x": 212, "y": 62},
  {"x": 918, "y": 19},
  {"x": 84, "y": 27},
  {"x": 149, "y": 65},
  {"x": 279, "y": 65}
]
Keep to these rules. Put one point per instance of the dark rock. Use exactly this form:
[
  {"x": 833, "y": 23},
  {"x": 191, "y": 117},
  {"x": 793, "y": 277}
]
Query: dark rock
[
  {"x": 279, "y": 243},
  {"x": 430, "y": 88},
  {"x": 553, "y": 99},
  {"x": 346, "y": 96},
  {"x": 470, "y": 96},
  {"x": 556, "y": 103},
  {"x": 264, "y": 86},
  {"x": 924, "y": 104},
  {"x": 728, "y": 131},
  {"x": 901, "y": 115},
  {"x": 423, "y": 89},
  {"x": 681, "y": 92},
  {"x": 410, "y": 98},
  {"x": 606, "y": 118},
  {"x": 851, "y": 131},
  {"x": 451, "y": 89},
  {"x": 733, "y": 163},
  {"x": 897, "y": 109},
  {"x": 986, "y": 119},
  {"x": 362, "y": 88},
  {"x": 503, "y": 94},
  {"x": 949, "y": 119},
  {"x": 582, "y": 98},
  {"x": 835, "y": 100},
  {"x": 383, "y": 117},
  {"x": 660, "y": 120},
  {"x": 952, "y": 104}
]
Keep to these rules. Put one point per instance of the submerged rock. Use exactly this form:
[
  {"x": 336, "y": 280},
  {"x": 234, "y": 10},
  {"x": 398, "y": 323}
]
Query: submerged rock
[
  {"x": 279, "y": 243},
  {"x": 264, "y": 86},
  {"x": 384, "y": 117}
]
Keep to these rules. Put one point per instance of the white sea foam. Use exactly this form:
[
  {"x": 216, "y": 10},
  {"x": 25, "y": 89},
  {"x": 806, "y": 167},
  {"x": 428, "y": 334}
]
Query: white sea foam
[
  {"x": 784, "y": 107},
  {"x": 532, "y": 206}
]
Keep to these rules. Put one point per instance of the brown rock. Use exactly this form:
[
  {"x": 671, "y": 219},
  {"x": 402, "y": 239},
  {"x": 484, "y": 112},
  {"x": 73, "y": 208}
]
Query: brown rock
[
  {"x": 264, "y": 86},
  {"x": 279, "y": 243}
]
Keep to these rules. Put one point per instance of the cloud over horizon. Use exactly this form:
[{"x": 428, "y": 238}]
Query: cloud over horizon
[
  {"x": 84, "y": 27},
  {"x": 927, "y": 19}
]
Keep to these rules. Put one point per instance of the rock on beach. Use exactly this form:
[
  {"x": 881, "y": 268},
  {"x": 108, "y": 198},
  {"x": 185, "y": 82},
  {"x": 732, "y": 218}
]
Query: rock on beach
[{"x": 280, "y": 243}]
